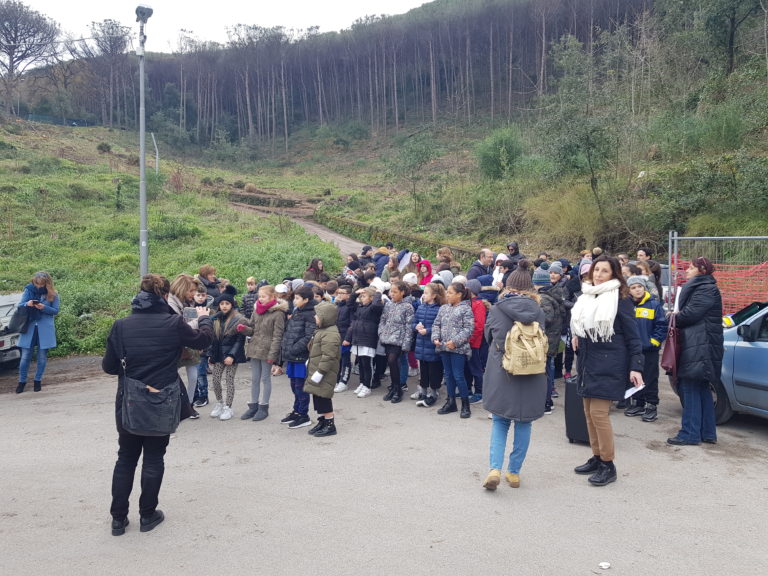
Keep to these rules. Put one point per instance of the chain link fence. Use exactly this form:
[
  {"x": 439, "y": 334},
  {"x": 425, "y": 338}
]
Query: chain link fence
[{"x": 741, "y": 266}]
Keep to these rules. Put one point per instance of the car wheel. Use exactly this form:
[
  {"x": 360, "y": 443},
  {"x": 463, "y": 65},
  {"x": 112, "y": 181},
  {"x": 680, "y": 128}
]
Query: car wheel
[{"x": 723, "y": 410}]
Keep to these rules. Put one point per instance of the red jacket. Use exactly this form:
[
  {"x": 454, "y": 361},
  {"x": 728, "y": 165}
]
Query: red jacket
[{"x": 480, "y": 312}]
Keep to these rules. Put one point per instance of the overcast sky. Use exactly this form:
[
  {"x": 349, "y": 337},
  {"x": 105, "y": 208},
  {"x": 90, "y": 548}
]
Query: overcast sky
[{"x": 209, "y": 20}]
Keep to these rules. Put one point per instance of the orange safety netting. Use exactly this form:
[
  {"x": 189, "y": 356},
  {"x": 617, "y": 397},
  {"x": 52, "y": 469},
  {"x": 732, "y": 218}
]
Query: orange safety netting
[{"x": 740, "y": 284}]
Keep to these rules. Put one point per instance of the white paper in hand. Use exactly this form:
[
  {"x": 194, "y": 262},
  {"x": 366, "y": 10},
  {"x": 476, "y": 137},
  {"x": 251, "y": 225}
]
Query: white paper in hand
[
  {"x": 316, "y": 377},
  {"x": 632, "y": 391}
]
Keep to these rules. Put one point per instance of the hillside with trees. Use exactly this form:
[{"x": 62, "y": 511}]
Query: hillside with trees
[{"x": 566, "y": 122}]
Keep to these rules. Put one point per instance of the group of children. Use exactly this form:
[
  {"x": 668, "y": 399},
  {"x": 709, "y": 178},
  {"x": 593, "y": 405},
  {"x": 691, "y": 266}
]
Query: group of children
[{"x": 320, "y": 331}]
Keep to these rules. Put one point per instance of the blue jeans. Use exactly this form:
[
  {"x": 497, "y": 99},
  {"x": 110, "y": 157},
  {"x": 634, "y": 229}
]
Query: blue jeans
[
  {"x": 453, "y": 367},
  {"x": 698, "y": 412},
  {"x": 26, "y": 359},
  {"x": 499, "y": 432},
  {"x": 201, "y": 392},
  {"x": 403, "y": 368}
]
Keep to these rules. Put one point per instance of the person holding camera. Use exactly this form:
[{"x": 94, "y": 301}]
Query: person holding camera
[{"x": 42, "y": 302}]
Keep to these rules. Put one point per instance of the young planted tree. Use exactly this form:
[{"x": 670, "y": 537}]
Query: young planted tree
[
  {"x": 410, "y": 161},
  {"x": 26, "y": 37}
]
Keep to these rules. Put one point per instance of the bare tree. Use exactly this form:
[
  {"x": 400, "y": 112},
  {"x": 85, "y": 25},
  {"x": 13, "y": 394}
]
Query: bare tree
[{"x": 26, "y": 37}]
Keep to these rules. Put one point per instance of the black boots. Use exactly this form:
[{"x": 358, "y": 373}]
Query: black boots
[
  {"x": 318, "y": 426},
  {"x": 148, "y": 523},
  {"x": 251, "y": 412},
  {"x": 465, "y": 412},
  {"x": 606, "y": 473},
  {"x": 118, "y": 526},
  {"x": 589, "y": 466},
  {"x": 38, "y": 386},
  {"x": 397, "y": 395},
  {"x": 449, "y": 406},
  {"x": 20, "y": 387},
  {"x": 328, "y": 429},
  {"x": 389, "y": 395}
]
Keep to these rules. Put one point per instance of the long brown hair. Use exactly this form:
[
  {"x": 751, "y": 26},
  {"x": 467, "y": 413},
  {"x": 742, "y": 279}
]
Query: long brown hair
[
  {"x": 615, "y": 273},
  {"x": 47, "y": 281}
]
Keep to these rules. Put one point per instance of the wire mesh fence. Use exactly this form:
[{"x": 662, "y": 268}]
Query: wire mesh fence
[{"x": 741, "y": 266}]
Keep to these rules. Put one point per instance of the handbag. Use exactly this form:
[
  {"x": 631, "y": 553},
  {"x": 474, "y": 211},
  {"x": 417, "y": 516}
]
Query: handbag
[
  {"x": 20, "y": 320},
  {"x": 671, "y": 353},
  {"x": 146, "y": 412}
]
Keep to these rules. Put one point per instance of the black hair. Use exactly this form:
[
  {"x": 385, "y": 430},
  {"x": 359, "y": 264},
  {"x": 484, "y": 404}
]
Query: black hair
[
  {"x": 647, "y": 251},
  {"x": 305, "y": 292},
  {"x": 466, "y": 293}
]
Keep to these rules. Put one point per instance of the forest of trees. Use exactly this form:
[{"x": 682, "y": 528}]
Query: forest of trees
[{"x": 449, "y": 60}]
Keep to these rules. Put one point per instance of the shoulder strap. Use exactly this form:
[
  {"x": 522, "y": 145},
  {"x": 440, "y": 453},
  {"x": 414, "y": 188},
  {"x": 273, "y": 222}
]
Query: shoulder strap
[{"x": 122, "y": 348}]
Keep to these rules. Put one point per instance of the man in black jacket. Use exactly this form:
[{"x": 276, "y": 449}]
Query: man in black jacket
[{"x": 149, "y": 343}]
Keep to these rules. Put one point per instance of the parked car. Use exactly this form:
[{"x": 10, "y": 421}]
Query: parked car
[{"x": 10, "y": 355}]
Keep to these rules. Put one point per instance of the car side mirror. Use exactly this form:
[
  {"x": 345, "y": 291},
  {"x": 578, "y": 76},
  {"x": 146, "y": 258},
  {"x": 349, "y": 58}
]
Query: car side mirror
[{"x": 747, "y": 331}]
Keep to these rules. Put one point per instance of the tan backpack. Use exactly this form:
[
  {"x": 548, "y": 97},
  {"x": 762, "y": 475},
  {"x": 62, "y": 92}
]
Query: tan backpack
[{"x": 525, "y": 349}]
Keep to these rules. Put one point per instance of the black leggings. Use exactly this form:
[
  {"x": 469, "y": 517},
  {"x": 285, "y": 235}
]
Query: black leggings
[
  {"x": 393, "y": 352},
  {"x": 431, "y": 374},
  {"x": 322, "y": 405}
]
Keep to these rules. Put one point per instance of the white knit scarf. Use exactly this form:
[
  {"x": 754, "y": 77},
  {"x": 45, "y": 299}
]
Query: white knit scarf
[{"x": 594, "y": 312}]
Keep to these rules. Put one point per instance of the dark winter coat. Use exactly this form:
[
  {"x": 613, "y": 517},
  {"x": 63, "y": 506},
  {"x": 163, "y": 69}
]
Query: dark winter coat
[
  {"x": 211, "y": 287},
  {"x": 364, "y": 329},
  {"x": 227, "y": 341},
  {"x": 344, "y": 316},
  {"x": 299, "y": 330},
  {"x": 604, "y": 367},
  {"x": 325, "y": 352},
  {"x": 152, "y": 339},
  {"x": 380, "y": 259},
  {"x": 425, "y": 348},
  {"x": 249, "y": 301},
  {"x": 700, "y": 321},
  {"x": 266, "y": 332},
  {"x": 395, "y": 326},
  {"x": 520, "y": 398},
  {"x": 651, "y": 322},
  {"x": 478, "y": 269},
  {"x": 553, "y": 313}
]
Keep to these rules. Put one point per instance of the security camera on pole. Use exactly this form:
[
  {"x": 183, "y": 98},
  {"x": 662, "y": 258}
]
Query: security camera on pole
[{"x": 143, "y": 13}]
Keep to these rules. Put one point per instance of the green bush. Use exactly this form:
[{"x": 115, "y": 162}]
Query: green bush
[
  {"x": 497, "y": 154},
  {"x": 104, "y": 148}
]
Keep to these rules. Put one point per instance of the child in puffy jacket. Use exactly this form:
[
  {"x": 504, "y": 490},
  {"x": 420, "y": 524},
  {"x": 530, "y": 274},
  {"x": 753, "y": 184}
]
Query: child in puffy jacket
[
  {"x": 431, "y": 373},
  {"x": 451, "y": 332},
  {"x": 395, "y": 334},
  {"x": 652, "y": 325},
  {"x": 226, "y": 352}
]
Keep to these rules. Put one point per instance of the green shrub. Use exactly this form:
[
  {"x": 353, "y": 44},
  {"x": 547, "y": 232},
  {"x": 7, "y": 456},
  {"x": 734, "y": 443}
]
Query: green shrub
[
  {"x": 497, "y": 154},
  {"x": 206, "y": 181},
  {"x": 239, "y": 184},
  {"x": 104, "y": 148}
]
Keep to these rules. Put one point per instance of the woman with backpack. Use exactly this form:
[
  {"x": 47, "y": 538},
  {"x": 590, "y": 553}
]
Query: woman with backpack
[
  {"x": 607, "y": 342},
  {"x": 511, "y": 398}
]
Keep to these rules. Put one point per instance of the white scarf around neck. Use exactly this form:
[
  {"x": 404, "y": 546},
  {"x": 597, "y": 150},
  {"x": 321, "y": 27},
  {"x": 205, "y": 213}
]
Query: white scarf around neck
[{"x": 594, "y": 312}]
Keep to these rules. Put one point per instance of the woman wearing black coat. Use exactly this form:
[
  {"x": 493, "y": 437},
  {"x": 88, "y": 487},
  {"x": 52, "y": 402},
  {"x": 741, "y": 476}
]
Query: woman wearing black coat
[
  {"x": 150, "y": 340},
  {"x": 607, "y": 341},
  {"x": 699, "y": 318}
]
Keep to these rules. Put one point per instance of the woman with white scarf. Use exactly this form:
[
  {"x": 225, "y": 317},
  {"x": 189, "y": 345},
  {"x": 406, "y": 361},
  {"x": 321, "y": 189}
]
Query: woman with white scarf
[{"x": 606, "y": 339}]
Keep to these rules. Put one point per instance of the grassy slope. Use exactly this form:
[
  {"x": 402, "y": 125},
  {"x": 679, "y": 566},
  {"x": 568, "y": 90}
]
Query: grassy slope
[{"x": 59, "y": 214}]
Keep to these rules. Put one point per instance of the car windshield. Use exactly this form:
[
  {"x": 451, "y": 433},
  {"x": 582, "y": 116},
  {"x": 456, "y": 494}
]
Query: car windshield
[{"x": 747, "y": 312}]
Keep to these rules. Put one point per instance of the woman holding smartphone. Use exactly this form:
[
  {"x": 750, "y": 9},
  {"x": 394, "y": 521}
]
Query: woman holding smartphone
[{"x": 42, "y": 302}]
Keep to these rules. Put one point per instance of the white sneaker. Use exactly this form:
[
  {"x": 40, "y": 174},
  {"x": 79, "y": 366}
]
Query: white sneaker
[
  {"x": 413, "y": 372},
  {"x": 217, "y": 408},
  {"x": 226, "y": 413},
  {"x": 357, "y": 390},
  {"x": 340, "y": 387},
  {"x": 419, "y": 392},
  {"x": 364, "y": 391}
]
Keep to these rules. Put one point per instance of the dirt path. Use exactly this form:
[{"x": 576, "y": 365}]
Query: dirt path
[{"x": 344, "y": 244}]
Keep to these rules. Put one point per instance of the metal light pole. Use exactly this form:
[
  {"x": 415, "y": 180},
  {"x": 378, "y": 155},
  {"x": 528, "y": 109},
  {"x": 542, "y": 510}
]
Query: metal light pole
[{"x": 142, "y": 15}]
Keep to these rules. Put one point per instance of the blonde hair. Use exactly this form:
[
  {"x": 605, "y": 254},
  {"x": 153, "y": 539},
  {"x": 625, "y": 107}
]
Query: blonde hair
[
  {"x": 47, "y": 281},
  {"x": 250, "y": 279},
  {"x": 183, "y": 283},
  {"x": 268, "y": 289}
]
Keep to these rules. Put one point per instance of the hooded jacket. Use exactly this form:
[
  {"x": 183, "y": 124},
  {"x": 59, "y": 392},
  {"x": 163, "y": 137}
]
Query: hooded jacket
[
  {"x": 454, "y": 323},
  {"x": 428, "y": 276},
  {"x": 266, "y": 332},
  {"x": 325, "y": 352},
  {"x": 395, "y": 326},
  {"x": 520, "y": 398},
  {"x": 298, "y": 332},
  {"x": 700, "y": 321},
  {"x": 151, "y": 338},
  {"x": 364, "y": 328},
  {"x": 425, "y": 348}
]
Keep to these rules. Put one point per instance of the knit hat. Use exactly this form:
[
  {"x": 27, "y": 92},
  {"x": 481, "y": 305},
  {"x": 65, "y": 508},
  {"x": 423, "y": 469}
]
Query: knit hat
[
  {"x": 296, "y": 283},
  {"x": 460, "y": 279},
  {"x": 226, "y": 297},
  {"x": 446, "y": 276},
  {"x": 474, "y": 286},
  {"x": 637, "y": 280},
  {"x": 541, "y": 277},
  {"x": 556, "y": 267},
  {"x": 281, "y": 289},
  {"x": 379, "y": 285},
  {"x": 520, "y": 279},
  {"x": 501, "y": 257},
  {"x": 411, "y": 278},
  {"x": 584, "y": 267}
]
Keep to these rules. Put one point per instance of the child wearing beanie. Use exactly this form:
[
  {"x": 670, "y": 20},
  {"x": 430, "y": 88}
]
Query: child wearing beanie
[{"x": 226, "y": 352}]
